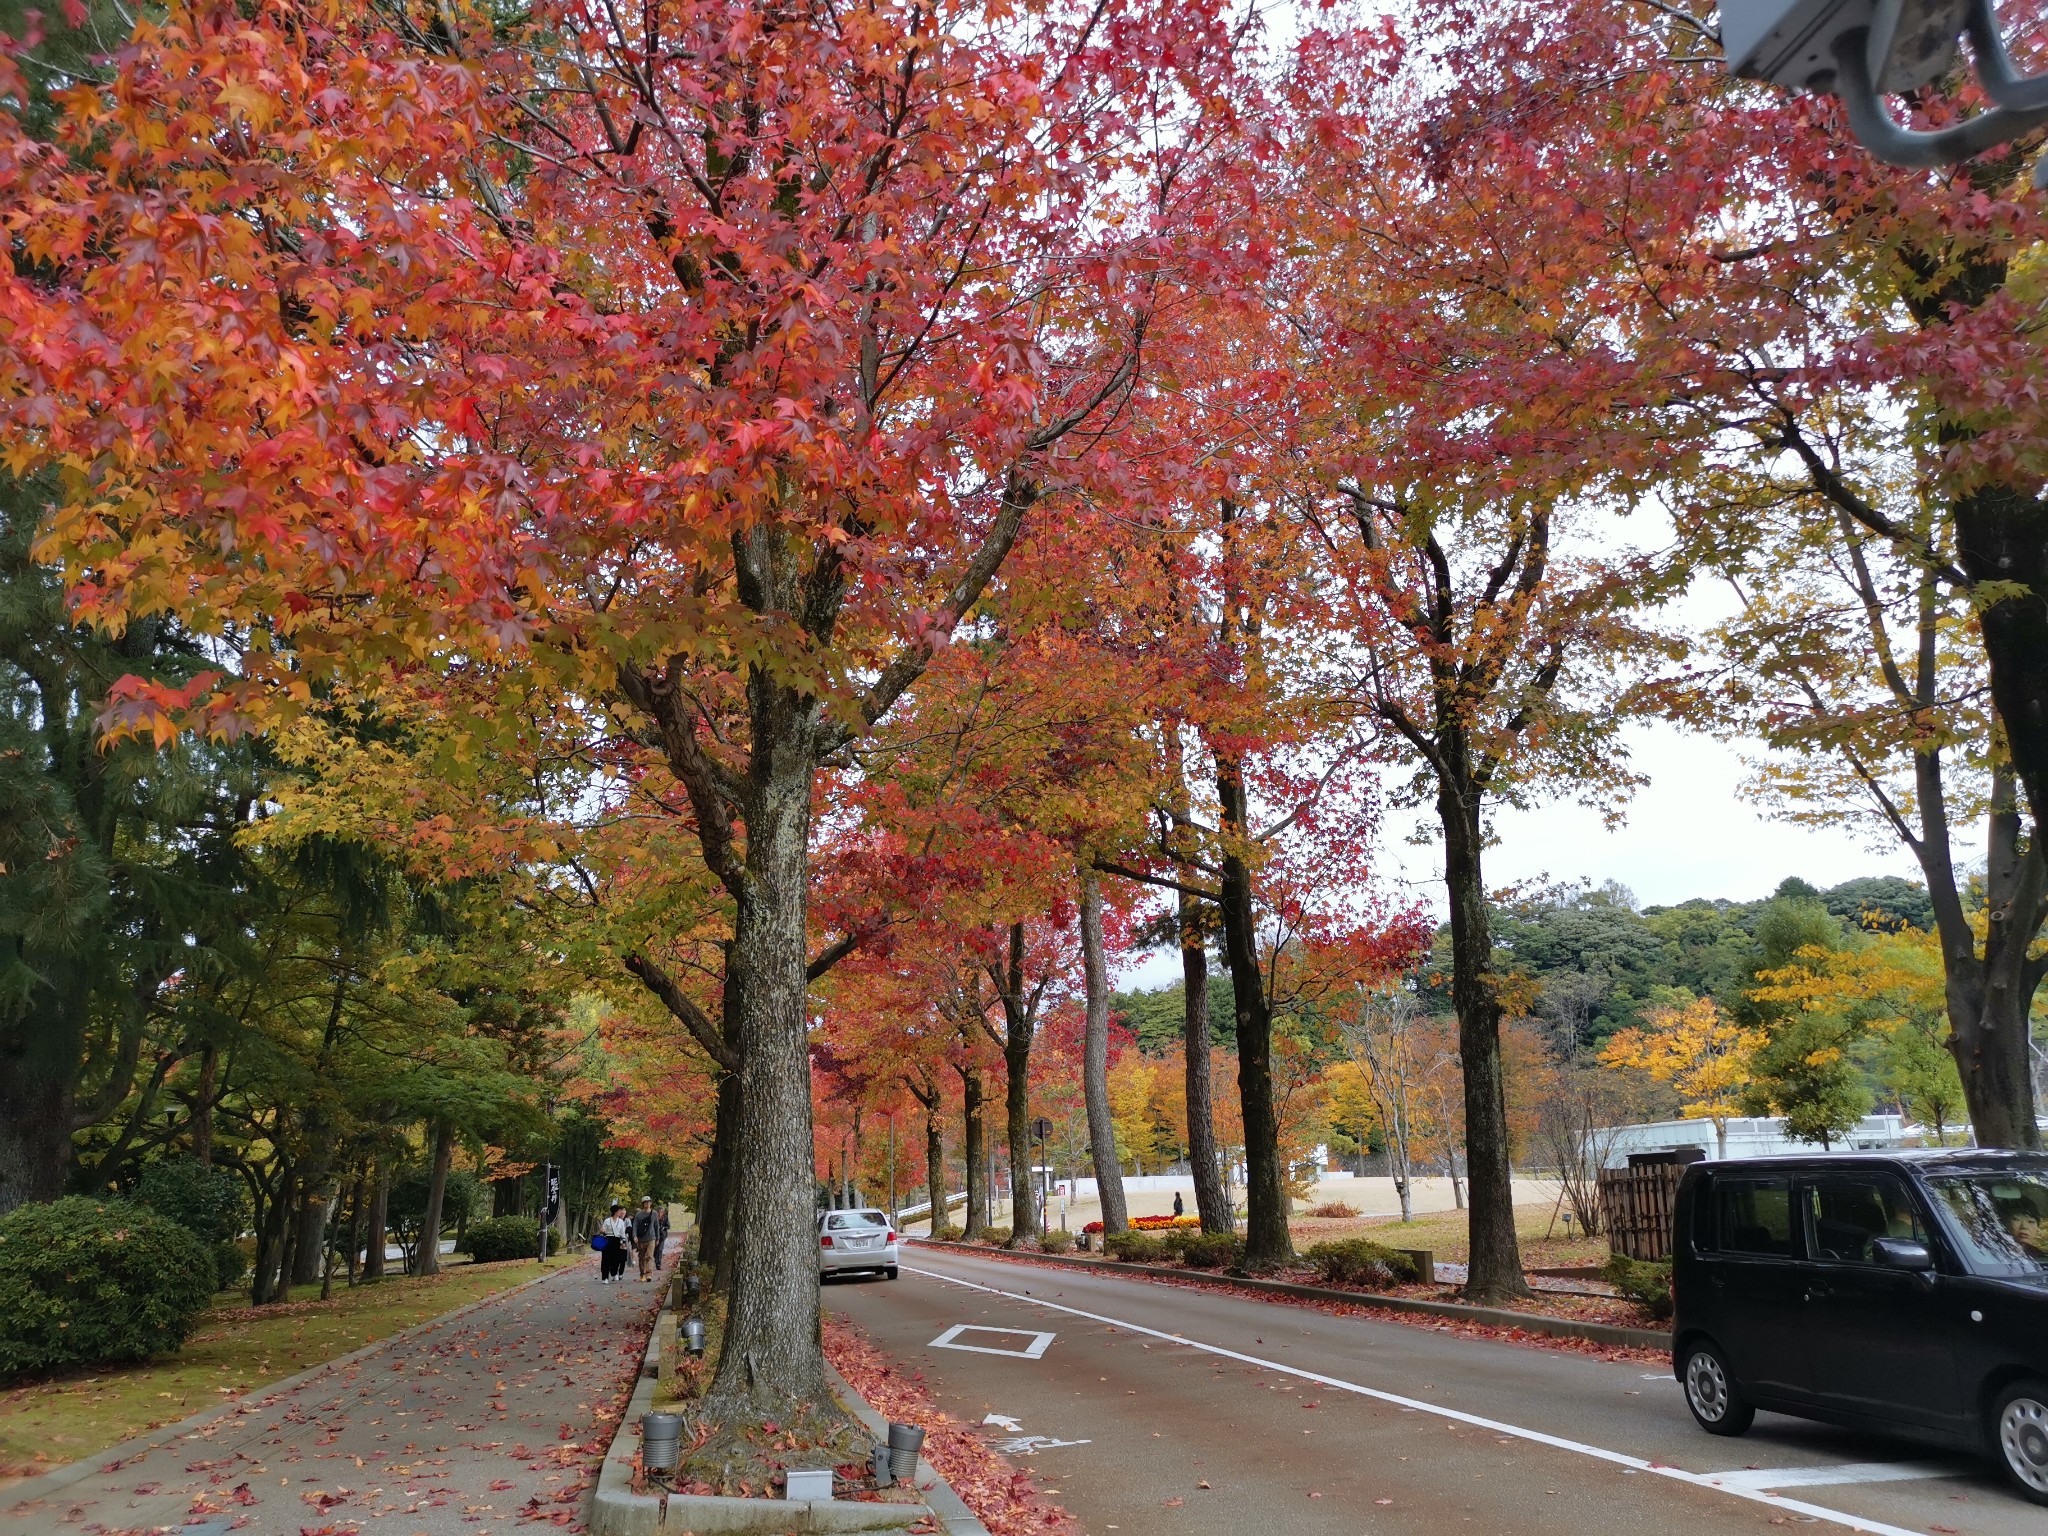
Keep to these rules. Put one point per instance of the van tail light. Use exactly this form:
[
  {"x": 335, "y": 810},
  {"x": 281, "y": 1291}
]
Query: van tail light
[{"x": 824, "y": 1242}]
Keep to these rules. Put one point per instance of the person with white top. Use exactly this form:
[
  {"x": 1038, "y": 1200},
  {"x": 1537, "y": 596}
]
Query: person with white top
[{"x": 617, "y": 1244}]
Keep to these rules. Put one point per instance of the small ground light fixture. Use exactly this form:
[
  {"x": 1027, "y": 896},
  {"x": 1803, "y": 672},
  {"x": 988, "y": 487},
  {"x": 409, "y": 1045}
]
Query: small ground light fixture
[
  {"x": 693, "y": 1335},
  {"x": 1866, "y": 50}
]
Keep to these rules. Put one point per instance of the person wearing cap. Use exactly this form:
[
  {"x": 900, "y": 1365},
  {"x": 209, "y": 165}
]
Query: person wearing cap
[{"x": 643, "y": 1236}]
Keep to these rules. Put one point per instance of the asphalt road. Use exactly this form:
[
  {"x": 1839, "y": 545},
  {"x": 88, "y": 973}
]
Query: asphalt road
[{"x": 1156, "y": 1408}]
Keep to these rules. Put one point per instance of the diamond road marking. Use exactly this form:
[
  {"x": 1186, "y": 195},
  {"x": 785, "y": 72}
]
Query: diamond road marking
[
  {"x": 1032, "y": 1351},
  {"x": 1827, "y": 1477}
]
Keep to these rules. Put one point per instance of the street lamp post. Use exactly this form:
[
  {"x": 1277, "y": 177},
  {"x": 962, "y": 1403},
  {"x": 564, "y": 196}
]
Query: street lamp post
[{"x": 1863, "y": 52}]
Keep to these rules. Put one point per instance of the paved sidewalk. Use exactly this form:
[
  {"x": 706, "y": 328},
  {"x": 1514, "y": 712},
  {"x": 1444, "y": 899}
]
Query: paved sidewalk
[{"x": 498, "y": 1416}]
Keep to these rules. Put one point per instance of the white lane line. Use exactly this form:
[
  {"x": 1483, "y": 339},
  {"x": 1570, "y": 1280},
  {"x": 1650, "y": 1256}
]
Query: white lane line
[
  {"x": 1818, "y": 1512},
  {"x": 1828, "y": 1477}
]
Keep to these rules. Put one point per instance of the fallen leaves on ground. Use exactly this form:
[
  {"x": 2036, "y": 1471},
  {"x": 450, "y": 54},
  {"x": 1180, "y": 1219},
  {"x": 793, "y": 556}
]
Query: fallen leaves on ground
[{"x": 1001, "y": 1494}]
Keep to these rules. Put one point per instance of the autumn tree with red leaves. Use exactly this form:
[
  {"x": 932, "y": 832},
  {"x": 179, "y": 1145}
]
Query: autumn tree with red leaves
[{"x": 712, "y": 356}]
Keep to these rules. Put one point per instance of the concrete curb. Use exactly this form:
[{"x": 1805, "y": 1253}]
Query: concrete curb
[
  {"x": 1494, "y": 1317},
  {"x": 47, "y": 1483},
  {"x": 616, "y": 1510},
  {"x": 951, "y": 1509}
]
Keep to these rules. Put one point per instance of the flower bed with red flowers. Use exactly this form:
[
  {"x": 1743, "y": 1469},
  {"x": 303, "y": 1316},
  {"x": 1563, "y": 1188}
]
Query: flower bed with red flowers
[{"x": 1152, "y": 1224}]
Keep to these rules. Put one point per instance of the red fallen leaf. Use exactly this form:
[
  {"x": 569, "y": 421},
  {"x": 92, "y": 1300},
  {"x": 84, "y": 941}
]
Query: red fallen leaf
[
  {"x": 1172, "y": 1503},
  {"x": 241, "y": 1493},
  {"x": 503, "y": 1483}
]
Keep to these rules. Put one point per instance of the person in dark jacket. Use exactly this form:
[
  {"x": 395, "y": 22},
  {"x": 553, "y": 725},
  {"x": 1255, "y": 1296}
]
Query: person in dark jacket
[
  {"x": 643, "y": 1236},
  {"x": 660, "y": 1232}
]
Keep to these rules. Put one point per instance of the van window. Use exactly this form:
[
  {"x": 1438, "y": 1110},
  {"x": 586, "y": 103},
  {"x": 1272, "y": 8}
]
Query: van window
[
  {"x": 1705, "y": 1233},
  {"x": 1756, "y": 1215},
  {"x": 1846, "y": 1213}
]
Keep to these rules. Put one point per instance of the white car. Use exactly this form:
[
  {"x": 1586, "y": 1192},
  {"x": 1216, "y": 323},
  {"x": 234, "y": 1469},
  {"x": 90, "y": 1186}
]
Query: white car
[{"x": 855, "y": 1240}]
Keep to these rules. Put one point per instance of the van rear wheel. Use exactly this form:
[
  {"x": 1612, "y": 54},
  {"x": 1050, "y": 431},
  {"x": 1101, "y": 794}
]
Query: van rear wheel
[
  {"x": 1716, "y": 1402},
  {"x": 2019, "y": 1432}
]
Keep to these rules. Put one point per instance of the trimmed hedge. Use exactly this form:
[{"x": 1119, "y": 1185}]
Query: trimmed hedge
[
  {"x": 1211, "y": 1250},
  {"x": 1356, "y": 1261},
  {"x": 1135, "y": 1247},
  {"x": 506, "y": 1237},
  {"x": 1647, "y": 1283},
  {"x": 96, "y": 1282},
  {"x": 1057, "y": 1242}
]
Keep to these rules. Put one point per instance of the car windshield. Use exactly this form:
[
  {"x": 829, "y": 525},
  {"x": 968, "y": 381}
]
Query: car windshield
[
  {"x": 2002, "y": 1218},
  {"x": 855, "y": 1221}
]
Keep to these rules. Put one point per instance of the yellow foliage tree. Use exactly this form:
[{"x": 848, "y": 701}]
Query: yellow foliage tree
[{"x": 1697, "y": 1049}]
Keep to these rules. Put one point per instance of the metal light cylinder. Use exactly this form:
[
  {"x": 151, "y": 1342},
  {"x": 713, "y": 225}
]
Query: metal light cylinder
[
  {"x": 693, "y": 1335},
  {"x": 905, "y": 1441},
  {"x": 661, "y": 1441}
]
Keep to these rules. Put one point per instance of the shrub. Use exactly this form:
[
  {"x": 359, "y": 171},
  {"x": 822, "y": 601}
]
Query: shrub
[
  {"x": 1332, "y": 1208},
  {"x": 505, "y": 1237},
  {"x": 1647, "y": 1283},
  {"x": 1355, "y": 1261},
  {"x": 210, "y": 1203},
  {"x": 95, "y": 1282},
  {"x": 1211, "y": 1250},
  {"x": 1134, "y": 1247},
  {"x": 1057, "y": 1242},
  {"x": 995, "y": 1237},
  {"x": 945, "y": 1234}
]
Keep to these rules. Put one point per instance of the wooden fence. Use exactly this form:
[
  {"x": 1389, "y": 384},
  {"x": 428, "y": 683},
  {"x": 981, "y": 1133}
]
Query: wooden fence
[{"x": 1637, "y": 1205}]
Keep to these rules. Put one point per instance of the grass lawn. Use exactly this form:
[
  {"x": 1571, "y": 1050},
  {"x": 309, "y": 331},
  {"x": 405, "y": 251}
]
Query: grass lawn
[
  {"x": 235, "y": 1349},
  {"x": 1445, "y": 1233}
]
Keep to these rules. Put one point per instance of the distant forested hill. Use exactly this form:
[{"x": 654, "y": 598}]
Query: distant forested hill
[{"x": 1597, "y": 958}]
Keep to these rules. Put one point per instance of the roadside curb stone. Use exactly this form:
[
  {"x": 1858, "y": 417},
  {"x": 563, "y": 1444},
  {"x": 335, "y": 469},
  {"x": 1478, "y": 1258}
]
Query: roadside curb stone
[
  {"x": 616, "y": 1510},
  {"x": 1494, "y": 1317}
]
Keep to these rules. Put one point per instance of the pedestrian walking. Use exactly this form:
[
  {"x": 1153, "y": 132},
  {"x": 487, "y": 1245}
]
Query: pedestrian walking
[
  {"x": 1178, "y": 1208},
  {"x": 660, "y": 1232},
  {"x": 643, "y": 1236},
  {"x": 616, "y": 1236}
]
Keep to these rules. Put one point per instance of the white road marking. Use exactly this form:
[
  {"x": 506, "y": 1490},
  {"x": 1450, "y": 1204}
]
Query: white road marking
[
  {"x": 1620, "y": 1459},
  {"x": 1027, "y": 1445},
  {"x": 1828, "y": 1477},
  {"x": 1032, "y": 1351}
]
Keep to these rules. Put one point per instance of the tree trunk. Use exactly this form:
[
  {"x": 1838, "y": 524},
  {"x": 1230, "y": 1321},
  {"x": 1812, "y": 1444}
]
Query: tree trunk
[
  {"x": 202, "y": 1105},
  {"x": 1990, "y": 997},
  {"x": 714, "y": 1196},
  {"x": 1267, "y": 1241},
  {"x": 935, "y": 1165},
  {"x": 1212, "y": 1198},
  {"x": 2002, "y": 536},
  {"x": 427, "y": 1257},
  {"x": 377, "y": 1229},
  {"x": 311, "y": 1240},
  {"x": 772, "y": 1362},
  {"x": 1496, "y": 1257},
  {"x": 1109, "y": 1173},
  {"x": 355, "y": 1226},
  {"x": 974, "y": 1150},
  {"x": 35, "y": 1135}
]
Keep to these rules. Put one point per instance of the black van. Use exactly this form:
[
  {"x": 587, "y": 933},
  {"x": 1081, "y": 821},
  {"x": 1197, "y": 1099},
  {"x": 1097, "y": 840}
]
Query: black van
[{"x": 1903, "y": 1292}]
